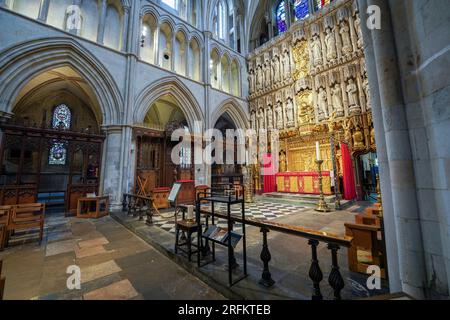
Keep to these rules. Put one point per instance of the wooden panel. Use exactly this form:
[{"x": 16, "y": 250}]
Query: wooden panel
[
  {"x": 74, "y": 192},
  {"x": 18, "y": 194},
  {"x": 187, "y": 192},
  {"x": 160, "y": 198}
]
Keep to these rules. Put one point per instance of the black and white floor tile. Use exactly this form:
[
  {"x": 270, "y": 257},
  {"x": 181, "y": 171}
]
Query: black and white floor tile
[{"x": 260, "y": 210}]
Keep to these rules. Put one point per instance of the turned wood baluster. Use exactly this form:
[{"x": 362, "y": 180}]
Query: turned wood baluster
[
  {"x": 315, "y": 273},
  {"x": 335, "y": 279},
  {"x": 124, "y": 203},
  {"x": 266, "y": 277}
]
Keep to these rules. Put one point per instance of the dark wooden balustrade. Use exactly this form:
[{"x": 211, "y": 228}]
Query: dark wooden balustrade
[
  {"x": 138, "y": 206},
  {"x": 315, "y": 238}
]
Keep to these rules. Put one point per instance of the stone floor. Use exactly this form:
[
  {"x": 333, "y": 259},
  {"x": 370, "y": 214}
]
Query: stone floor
[
  {"x": 115, "y": 264},
  {"x": 291, "y": 256},
  {"x": 131, "y": 260}
]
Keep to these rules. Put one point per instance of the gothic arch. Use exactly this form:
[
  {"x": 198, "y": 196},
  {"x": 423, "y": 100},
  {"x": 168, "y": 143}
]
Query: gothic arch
[
  {"x": 177, "y": 90},
  {"x": 234, "y": 110},
  {"x": 23, "y": 62}
]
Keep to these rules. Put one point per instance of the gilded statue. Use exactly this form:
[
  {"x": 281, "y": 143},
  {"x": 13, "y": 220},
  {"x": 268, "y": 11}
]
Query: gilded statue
[
  {"x": 330, "y": 41},
  {"x": 372, "y": 137},
  {"x": 259, "y": 78},
  {"x": 282, "y": 162},
  {"x": 251, "y": 81},
  {"x": 346, "y": 125},
  {"x": 358, "y": 138}
]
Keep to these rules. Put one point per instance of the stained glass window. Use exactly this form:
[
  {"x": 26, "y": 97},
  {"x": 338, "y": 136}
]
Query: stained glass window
[
  {"x": 62, "y": 118},
  {"x": 281, "y": 17},
  {"x": 58, "y": 154},
  {"x": 301, "y": 9},
  {"x": 319, "y": 4}
]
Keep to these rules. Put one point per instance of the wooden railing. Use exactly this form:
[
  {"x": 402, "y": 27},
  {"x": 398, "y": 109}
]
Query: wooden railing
[
  {"x": 138, "y": 206},
  {"x": 333, "y": 242}
]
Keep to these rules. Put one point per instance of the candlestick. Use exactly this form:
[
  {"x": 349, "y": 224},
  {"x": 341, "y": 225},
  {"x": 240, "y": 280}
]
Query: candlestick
[
  {"x": 317, "y": 151},
  {"x": 190, "y": 213},
  {"x": 321, "y": 205}
]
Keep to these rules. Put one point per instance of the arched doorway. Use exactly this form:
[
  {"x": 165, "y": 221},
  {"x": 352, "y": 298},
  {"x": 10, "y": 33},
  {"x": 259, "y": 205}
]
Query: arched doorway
[
  {"x": 155, "y": 167},
  {"x": 52, "y": 146},
  {"x": 227, "y": 173}
]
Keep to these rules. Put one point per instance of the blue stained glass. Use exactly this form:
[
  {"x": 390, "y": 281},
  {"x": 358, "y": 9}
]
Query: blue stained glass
[
  {"x": 62, "y": 118},
  {"x": 301, "y": 8},
  {"x": 281, "y": 18},
  {"x": 58, "y": 154}
]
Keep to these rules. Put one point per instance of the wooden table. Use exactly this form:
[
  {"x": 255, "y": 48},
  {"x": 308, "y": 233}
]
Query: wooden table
[{"x": 93, "y": 207}]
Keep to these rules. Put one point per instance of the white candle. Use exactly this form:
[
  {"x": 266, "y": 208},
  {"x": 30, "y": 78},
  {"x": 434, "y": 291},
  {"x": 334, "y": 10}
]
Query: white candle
[
  {"x": 190, "y": 213},
  {"x": 318, "y": 150}
]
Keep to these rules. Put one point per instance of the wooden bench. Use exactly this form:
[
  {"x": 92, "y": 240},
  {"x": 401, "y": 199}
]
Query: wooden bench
[
  {"x": 366, "y": 240},
  {"x": 26, "y": 217},
  {"x": 4, "y": 218},
  {"x": 2, "y": 281}
]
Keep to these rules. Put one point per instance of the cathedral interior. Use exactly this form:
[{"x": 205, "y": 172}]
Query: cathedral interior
[{"x": 115, "y": 114}]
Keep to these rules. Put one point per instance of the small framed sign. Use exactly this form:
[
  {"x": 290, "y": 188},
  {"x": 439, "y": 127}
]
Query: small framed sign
[{"x": 174, "y": 192}]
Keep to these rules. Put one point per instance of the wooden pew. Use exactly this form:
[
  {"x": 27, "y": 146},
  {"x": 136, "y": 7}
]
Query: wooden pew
[
  {"x": 27, "y": 216},
  {"x": 4, "y": 219},
  {"x": 365, "y": 239},
  {"x": 2, "y": 281}
]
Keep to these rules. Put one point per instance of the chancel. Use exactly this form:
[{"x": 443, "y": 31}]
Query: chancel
[{"x": 261, "y": 149}]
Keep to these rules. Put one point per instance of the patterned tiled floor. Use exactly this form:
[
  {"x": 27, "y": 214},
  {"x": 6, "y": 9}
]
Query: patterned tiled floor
[{"x": 259, "y": 210}]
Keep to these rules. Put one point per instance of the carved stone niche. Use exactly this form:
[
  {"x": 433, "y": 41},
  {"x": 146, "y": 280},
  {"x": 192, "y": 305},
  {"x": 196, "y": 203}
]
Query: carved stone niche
[
  {"x": 322, "y": 97},
  {"x": 351, "y": 88},
  {"x": 342, "y": 14},
  {"x": 266, "y": 57},
  {"x": 299, "y": 35},
  {"x": 284, "y": 47},
  {"x": 278, "y": 97},
  {"x": 328, "y": 22},
  {"x": 275, "y": 52},
  {"x": 315, "y": 29},
  {"x": 302, "y": 84},
  {"x": 337, "y": 101}
]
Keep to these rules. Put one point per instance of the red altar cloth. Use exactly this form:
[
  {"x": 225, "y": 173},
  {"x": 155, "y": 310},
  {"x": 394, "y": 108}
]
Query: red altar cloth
[
  {"x": 269, "y": 174},
  {"x": 303, "y": 182},
  {"x": 349, "y": 176}
]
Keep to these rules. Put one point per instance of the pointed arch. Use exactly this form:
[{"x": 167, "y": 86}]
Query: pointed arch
[
  {"x": 237, "y": 113},
  {"x": 179, "y": 92},
  {"x": 29, "y": 59}
]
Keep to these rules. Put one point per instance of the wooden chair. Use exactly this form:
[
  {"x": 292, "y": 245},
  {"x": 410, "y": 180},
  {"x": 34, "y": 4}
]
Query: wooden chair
[
  {"x": 366, "y": 240},
  {"x": 26, "y": 217},
  {"x": 4, "y": 219},
  {"x": 2, "y": 281}
]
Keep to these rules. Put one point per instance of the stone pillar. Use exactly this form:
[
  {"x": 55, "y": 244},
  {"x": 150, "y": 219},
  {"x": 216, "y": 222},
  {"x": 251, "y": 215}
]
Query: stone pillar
[
  {"x": 101, "y": 24},
  {"x": 398, "y": 148},
  {"x": 111, "y": 165},
  {"x": 156, "y": 45},
  {"x": 188, "y": 56},
  {"x": 126, "y": 19},
  {"x": 43, "y": 10},
  {"x": 388, "y": 209}
]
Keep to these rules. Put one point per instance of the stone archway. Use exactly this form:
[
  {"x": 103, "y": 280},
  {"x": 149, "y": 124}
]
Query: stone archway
[{"x": 27, "y": 60}]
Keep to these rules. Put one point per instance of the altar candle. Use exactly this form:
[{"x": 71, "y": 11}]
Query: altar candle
[
  {"x": 190, "y": 213},
  {"x": 318, "y": 150}
]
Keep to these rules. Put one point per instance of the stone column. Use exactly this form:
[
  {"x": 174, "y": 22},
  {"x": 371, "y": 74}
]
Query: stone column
[
  {"x": 188, "y": 56},
  {"x": 111, "y": 165},
  {"x": 43, "y": 10},
  {"x": 101, "y": 25},
  {"x": 398, "y": 148},
  {"x": 388, "y": 207},
  {"x": 156, "y": 45},
  {"x": 126, "y": 19}
]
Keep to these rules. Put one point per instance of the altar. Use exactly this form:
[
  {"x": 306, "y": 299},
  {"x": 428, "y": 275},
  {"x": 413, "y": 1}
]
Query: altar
[{"x": 303, "y": 182}]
